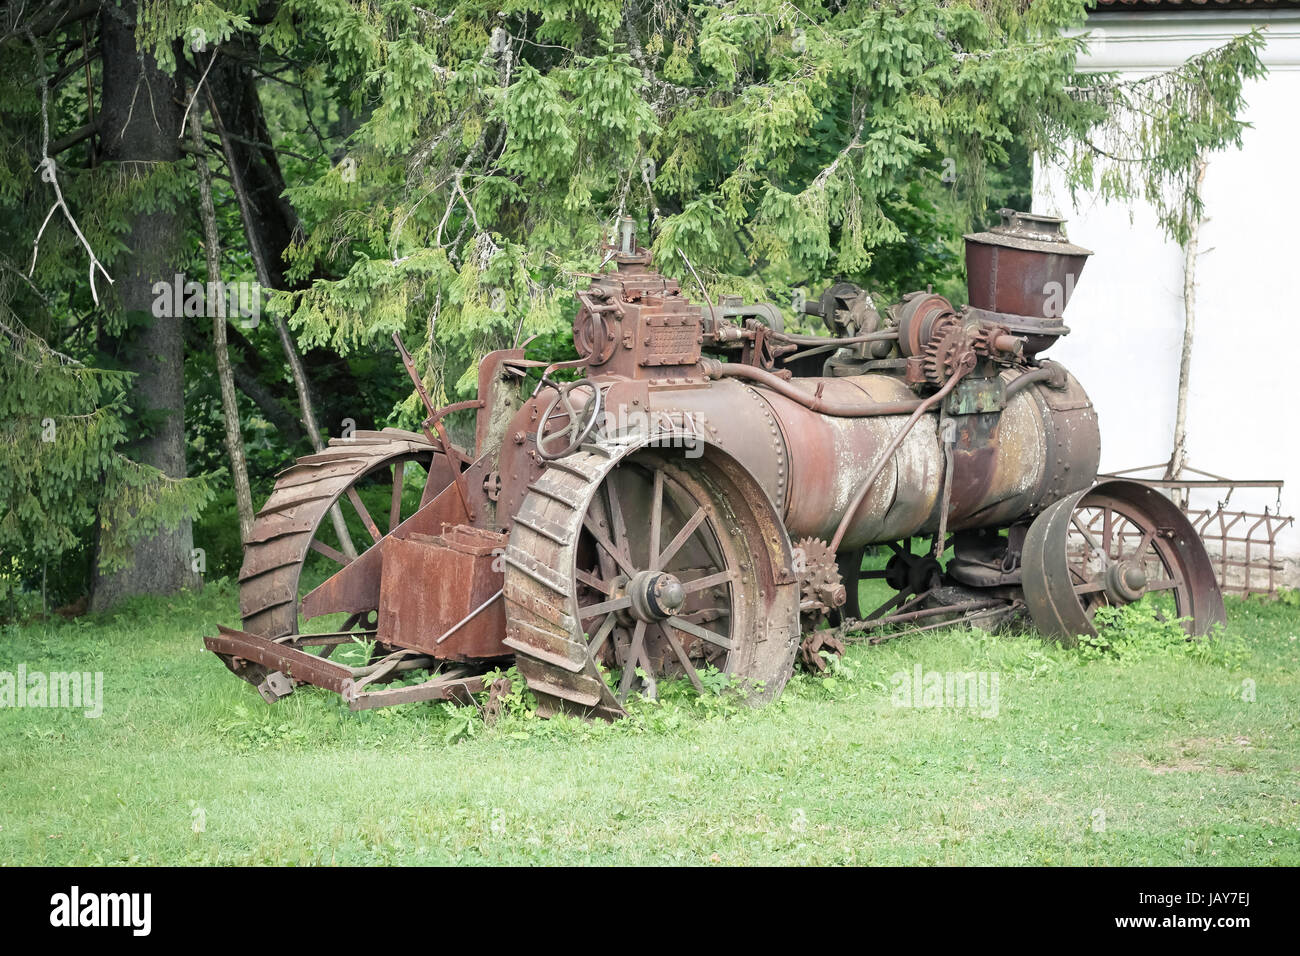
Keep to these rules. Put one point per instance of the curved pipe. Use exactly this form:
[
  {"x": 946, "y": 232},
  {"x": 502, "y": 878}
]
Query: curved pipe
[
  {"x": 966, "y": 364},
  {"x": 715, "y": 369},
  {"x": 1053, "y": 374}
]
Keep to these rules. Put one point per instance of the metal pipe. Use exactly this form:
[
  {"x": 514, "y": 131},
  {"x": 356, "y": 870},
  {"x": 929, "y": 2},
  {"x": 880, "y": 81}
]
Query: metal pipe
[
  {"x": 888, "y": 336},
  {"x": 1043, "y": 374},
  {"x": 905, "y": 617},
  {"x": 715, "y": 369},
  {"x": 827, "y": 345}
]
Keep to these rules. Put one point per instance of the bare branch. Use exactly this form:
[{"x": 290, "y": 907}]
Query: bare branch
[
  {"x": 195, "y": 95},
  {"x": 50, "y": 174}
]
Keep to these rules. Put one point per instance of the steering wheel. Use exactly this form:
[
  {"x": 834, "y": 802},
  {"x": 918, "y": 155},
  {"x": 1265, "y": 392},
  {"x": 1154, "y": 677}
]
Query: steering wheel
[{"x": 578, "y": 426}]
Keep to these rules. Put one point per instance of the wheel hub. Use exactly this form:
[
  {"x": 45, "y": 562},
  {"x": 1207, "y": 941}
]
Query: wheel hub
[
  {"x": 1126, "y": 582},
  {"x": 656, "y": 595}
]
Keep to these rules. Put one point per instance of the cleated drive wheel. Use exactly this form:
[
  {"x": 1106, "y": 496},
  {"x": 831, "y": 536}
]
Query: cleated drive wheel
[
  {"x": 1112, "y": 545},
  {"x": 294, "y": 523},
  {"x": 651, "y": 563}
]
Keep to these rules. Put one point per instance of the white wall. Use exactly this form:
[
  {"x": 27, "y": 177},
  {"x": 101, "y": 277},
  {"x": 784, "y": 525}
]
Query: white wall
[{"x": 1127, "y": 311}]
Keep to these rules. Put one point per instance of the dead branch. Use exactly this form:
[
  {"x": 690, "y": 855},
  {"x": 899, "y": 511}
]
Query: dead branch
[{"x": 50, "y": 174}]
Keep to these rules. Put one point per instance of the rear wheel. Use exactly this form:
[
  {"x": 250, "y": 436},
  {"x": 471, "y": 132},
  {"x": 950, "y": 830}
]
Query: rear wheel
[{"x": 291, "y": 533}]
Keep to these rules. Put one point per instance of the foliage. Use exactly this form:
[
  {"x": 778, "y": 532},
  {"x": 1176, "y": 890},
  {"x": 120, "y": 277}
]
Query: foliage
[
  {"x": 1134, "y": 632},
  {"x": 63, "y": 471},
  {"x": 454, "y": 168},
  {"x": 776, "y": 145}
]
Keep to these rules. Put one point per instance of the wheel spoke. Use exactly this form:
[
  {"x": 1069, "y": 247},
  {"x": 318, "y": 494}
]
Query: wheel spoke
[
  {"x": 633, "y": 655},
  {"x": 614, "y": 552},
  {"x": 705, "y": 614},
  {"x": 656, "y": 515},
  {"x": 598, "y": 639},
  {"x": 1147, "y": 537},
  {"x": 320, "y": 547},
  {"x": 702, "y": 633},
  {"x": 709, "y": 581},
  {"x": 1168, "y": 584},
  {"x": 604, "y": 607},
  {"x": 1089, "y": 587},
  {"x": 617, "y": 524},
  {"x": 682, "y": 657},
  {"x": 1092, "y": 542},
  {"x": 593, "y": 582},
  {"x": 680, "y": 539},
  {"x": 608, "y": 568},
  {"x": 360, "y": 506}
]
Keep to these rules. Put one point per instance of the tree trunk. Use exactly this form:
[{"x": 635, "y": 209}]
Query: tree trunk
[
  {"x": 141, "y": 123},
  {"x": 272, "y": 280},
  {"x": 225, "y": 379},
  {"x": 1178, "y": 457}
]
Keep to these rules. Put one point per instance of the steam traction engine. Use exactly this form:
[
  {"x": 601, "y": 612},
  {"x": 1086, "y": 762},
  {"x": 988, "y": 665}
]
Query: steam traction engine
[{"x": 702, "y": 496}]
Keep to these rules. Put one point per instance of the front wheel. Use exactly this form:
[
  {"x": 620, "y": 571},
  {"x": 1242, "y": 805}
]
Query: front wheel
[{"x": 1111, "y": 545}]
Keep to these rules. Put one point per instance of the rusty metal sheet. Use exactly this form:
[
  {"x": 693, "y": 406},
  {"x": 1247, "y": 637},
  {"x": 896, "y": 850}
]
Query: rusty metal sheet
[{"x": 356, "y": 587}]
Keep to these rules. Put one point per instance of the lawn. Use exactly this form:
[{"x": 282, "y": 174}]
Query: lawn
[{"x": 1149, "y": 758}]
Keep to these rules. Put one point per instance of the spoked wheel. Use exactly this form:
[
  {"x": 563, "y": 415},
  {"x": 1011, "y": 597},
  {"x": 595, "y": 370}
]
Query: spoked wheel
[
  {"x": 1113, "y": 545},
  {"x": 293, "y": 530},
  {"x": 910, "y": 575},
  {"x": 657, "y": 566},
  {"x": 660, "y": 602}
]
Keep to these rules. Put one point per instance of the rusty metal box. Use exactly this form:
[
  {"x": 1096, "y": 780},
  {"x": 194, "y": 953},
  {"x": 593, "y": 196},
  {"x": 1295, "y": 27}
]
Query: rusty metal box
[{"x": 432, "y": 583}]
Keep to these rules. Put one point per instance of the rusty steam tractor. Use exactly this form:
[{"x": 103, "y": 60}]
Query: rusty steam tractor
[{"x": 703, "y": 495}]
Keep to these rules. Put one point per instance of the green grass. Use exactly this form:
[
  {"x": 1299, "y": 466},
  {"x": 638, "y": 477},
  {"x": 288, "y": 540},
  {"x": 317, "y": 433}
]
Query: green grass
[{"x": 1183, "y": 769}]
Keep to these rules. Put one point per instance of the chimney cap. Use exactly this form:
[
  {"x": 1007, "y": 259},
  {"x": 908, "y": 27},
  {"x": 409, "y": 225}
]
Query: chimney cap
[{"x": 1031, "y": 232}]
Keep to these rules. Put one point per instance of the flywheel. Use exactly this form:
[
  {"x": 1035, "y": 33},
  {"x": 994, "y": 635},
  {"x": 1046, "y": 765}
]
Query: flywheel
[
  {"x": 1114, "y": 544},
  {"x": 653, "y": 565}
]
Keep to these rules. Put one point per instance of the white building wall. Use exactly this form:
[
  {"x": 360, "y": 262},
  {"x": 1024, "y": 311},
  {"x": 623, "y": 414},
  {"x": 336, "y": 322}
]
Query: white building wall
[{"x": 1127, "y": 311}]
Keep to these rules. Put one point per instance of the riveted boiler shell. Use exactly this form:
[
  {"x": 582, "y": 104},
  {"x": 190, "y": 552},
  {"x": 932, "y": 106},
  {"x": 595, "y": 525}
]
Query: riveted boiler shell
[
  {"x": 831, "y": 457},
  {"x": 1041, "y": 447}
]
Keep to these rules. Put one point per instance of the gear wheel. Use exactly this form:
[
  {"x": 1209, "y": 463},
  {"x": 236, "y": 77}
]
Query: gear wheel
[
  {"x": 942, "y": 351},
  {"x": 821, "y": 586},
  {"x": 986, "y": 336}
]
